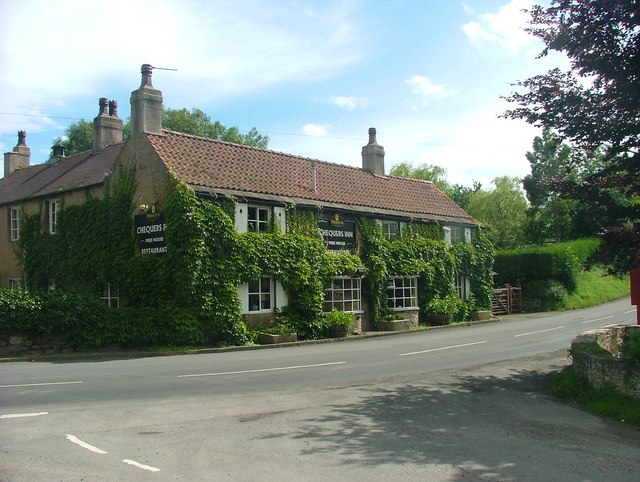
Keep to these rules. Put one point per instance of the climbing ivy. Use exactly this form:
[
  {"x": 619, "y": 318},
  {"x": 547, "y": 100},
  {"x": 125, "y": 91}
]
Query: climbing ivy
[
  {"x": 421, "y": 252},
  {"x": 193, "y": 288}
]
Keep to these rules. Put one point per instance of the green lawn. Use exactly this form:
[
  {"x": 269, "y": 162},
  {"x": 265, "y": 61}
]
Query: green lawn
[{"x": 596, "y": 287}]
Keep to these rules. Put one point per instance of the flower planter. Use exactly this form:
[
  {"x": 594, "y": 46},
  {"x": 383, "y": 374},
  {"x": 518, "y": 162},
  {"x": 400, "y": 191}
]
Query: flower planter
[
  {"x": 338, "y": 331},
  {"x": 269, "y": 339},
  {"x": 394, "y": 325},
  {"x": 439, "y": 320},
  {"x": 480, "y": 315}
]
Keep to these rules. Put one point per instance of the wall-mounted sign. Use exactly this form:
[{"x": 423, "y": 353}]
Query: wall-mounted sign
[
  {"x": 338, "y": 234},
  {"x": 150, "y": 233}
]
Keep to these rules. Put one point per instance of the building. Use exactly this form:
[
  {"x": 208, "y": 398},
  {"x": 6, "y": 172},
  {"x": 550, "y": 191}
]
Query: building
[{"x": 260, "y": 188}]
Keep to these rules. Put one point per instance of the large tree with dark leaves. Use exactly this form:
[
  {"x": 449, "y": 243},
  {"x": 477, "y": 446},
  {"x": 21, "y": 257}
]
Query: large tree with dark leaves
[{"x": 596, "y": 107}]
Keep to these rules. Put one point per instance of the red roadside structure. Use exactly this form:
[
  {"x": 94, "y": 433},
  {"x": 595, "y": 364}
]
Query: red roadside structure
[{"x": 635, "y": 291}]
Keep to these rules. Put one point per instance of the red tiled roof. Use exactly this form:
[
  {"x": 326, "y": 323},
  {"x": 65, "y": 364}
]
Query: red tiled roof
[
  {"x": 80, "y": 170},
  {"x": 210, "y": 165}
]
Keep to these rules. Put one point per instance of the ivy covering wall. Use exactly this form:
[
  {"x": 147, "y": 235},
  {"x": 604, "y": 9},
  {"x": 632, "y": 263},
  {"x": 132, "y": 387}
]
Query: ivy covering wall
[{"x": 190, "y": 294}]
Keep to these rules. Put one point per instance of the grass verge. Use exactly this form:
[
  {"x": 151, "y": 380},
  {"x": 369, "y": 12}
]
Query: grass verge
[
  {"x": 595, "y": 287},
  {"x": 567, "y": 384}
]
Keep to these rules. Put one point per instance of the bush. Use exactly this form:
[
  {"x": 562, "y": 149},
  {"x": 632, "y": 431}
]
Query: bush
[
  {"x": 631, "y": 347},
  {"x": 544, "y": 295},
  {"x": 20, "y": 312},
  {"x": 338, "y": 318},
  {"x": 561, "y": 262}
]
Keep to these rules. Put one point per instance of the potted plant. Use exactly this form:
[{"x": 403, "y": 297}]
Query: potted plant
[
  {"x": 440, "y": 311},
  {"x": 338, "y": 323}
]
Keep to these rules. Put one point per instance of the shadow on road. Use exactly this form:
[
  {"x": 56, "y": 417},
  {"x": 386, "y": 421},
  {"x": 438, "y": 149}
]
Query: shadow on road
[{"x": 487, "y": 427}]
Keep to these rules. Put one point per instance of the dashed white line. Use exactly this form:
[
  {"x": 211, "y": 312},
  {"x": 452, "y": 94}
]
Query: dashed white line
[
  {"x": 85, "y": 445},
  {"x": 21, "y": 415},
  {"x": 631, "y": 311},
  {"x": 443, "y": 348},
  {"x": 597, "y": 319},
  {"x": 260, "y": 370},
  {"x": 141, "y": 466},
  {"x": 540, "y": 331},
  {"x": 44, "y": 384}
]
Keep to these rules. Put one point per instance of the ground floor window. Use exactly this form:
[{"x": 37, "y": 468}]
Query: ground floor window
[
  {"x": 261, "y": 294},
  {"x": 402, "y": 292},
  {"x": 342, "y": 293},
  {"x": 110, "y": 295},
  {"x": 463, "y": 287},
  {"x": 15, "y": 283}
]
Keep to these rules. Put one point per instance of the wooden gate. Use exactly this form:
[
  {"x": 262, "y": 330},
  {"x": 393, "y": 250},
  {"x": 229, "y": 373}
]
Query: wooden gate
[{"x": 506, "y": 300}]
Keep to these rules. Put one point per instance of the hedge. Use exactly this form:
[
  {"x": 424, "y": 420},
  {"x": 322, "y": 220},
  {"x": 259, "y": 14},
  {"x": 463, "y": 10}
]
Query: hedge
[{"x": 560, "y": 262}]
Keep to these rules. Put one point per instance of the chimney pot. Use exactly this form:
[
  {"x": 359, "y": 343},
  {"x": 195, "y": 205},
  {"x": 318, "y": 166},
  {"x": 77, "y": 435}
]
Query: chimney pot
[
  {"x": 113, "y": 108},
  {"x": 20, "y": 157},
  {"x": 103, "y": 103},
  {"x": 22, "y": 138},
  {"x": 372, "y": 136},
  {"x": 147, "y": 70}
]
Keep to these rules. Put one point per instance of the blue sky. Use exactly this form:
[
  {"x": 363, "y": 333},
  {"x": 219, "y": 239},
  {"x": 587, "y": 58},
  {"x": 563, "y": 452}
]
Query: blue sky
[{"x": 313, "y": 75}]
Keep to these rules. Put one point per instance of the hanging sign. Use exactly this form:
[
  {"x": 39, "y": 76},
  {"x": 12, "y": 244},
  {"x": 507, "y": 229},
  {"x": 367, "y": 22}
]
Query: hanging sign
[
  {"x": 338, "y": 234},
  {"x": 150, "y": 233}
]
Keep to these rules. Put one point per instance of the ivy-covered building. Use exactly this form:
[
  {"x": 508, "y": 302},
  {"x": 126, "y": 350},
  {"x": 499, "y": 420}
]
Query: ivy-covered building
[{"x": 232, "y": 235}]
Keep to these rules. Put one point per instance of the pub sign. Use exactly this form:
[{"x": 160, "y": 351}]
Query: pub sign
[
  {"x": 150, "y": 233},
  {"x": 338, "y": 234}
]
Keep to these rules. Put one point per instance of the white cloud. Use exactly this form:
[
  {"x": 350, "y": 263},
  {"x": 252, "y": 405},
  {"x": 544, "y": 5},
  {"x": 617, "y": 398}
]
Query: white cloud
[
  {"x": 426, "y": 90},
  {"x": 349, "y": 103},
  {"x": 59, "y": 51},
  {"x": 316, "y": 129},
  {"x": 503, "y": 29}
]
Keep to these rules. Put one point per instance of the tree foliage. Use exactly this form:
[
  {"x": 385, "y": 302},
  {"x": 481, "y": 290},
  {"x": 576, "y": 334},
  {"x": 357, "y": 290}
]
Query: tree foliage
[
  {"x": 426, "y": 172},
  {"x": 595, "y": 106},
  {"x": 79, "y": 135},
  {"x": 503, "y": 211}
]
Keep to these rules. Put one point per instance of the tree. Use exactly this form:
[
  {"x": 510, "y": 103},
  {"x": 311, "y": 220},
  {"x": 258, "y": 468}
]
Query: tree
[
  {"x": 198, "y": 123},
  {"x": 596, "y": 107},
  {"x": 502, "y": 211},
  {"x": 426, "y": 172},
  {"x": 551, "y": 217},
  {"x": 79, "y": 135}
]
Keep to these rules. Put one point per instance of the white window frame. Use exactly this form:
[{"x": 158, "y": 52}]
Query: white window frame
[
  {"x": 256, "y": 224},
  {"x": 15, "y": 283},
  {"x": 15, "y": 222},
  {"x": 343, "y": 293},
  {"x": 265, "y": 288},
  {"x": 463, "y": 287},
  {"x": 110, "y": 295},
  {"x": 388, "y": 227},
  {"x": 52, "y": 211},
  {"x": 402, "y": 292}
]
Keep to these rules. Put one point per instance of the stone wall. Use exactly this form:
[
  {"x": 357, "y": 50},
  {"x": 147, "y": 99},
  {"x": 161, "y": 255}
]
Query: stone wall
[{"x": 605, "y": 367}]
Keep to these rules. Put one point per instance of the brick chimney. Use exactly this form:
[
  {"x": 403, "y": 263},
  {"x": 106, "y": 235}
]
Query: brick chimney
[
  {"x": 373, "y": 155},
  {"x": 146, "y": 106},
  {"x": 107, "y": 127},
  {"x": 20, "y": 157}
]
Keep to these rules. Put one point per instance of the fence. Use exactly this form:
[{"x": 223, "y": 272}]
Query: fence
[{"x": 506, "y": 300}]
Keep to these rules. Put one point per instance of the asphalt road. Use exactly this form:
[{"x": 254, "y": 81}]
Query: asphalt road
[{"x": 461, "y": 403}]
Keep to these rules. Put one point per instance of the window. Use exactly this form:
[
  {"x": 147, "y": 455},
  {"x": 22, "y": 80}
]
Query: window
[
  {"x": 391, "y": 230},
  {"x": 15, "y": 283},
  {"x": 402, "y": 292},
  {"x": 110, "y": 295},
  {"x": 261, "y": 294},
  {"x": 53, "y": 217},
  {"x": 15, "y": 217},
  {"x": 462, "y": 287},
  {"x": 342, "y": 293},
  {"x": 258, "y": 219}
]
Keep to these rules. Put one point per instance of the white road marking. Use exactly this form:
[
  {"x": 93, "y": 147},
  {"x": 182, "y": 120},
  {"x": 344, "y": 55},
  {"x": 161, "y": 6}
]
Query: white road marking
[
  {"x": 631, "y": 311},
  {"x": 85, "y": 445},
  {"x": 597, "y": 319},
  {"x": 541, "y": 331},
  {"x": 141, "y": 466},
  {"x": 20, "y": 415},
  {"x": 262, "y": 370},
  {"x": 44, "y": 384},
  {"x": 443, "y": 348}
]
